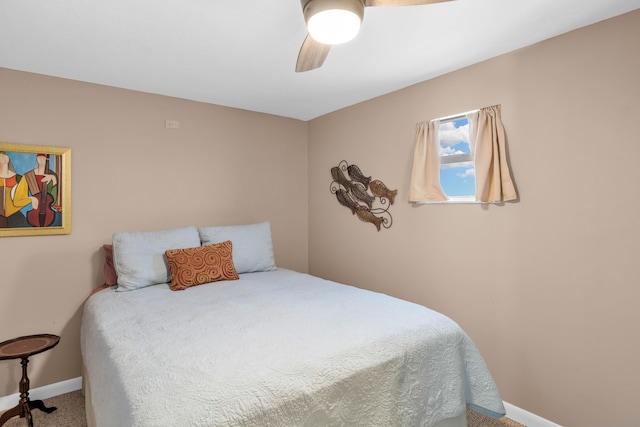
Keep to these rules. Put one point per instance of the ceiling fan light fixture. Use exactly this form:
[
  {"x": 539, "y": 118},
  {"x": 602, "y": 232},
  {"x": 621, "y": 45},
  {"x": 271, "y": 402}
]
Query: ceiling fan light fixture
[{"x": 333, "y": 21}]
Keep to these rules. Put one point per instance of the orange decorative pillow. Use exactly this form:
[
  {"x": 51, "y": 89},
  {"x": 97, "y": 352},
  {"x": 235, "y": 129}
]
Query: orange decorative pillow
[{"x": 204, "y": 264}]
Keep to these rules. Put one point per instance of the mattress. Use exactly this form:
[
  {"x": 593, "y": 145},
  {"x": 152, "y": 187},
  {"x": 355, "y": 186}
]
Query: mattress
[{"x": 277, "y": 348}]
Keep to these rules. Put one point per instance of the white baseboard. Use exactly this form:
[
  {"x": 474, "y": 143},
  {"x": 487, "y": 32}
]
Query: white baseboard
[
  {"x": 44, "y": 392},
  {"x": 62, "y": 387},
  {"x": 527, "y": 418}
]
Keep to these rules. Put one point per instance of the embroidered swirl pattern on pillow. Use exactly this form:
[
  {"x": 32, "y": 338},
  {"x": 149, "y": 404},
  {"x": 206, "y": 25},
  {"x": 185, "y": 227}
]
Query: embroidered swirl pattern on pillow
[{"x": 204, "y": 264}]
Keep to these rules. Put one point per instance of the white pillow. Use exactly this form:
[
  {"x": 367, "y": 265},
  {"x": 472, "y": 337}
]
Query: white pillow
[
  {"x": 139, "y": 258},
  {"x": 252, "y": 246}
]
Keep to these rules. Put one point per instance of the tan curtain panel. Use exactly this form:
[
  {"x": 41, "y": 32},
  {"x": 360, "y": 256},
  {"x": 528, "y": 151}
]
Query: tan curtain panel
[
  {"x": 425, "y": 175},
  {"x": 487, "y": 139}
]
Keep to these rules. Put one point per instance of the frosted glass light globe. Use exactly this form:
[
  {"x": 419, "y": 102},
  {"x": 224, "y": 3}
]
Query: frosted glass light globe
[{"x": 334, "y": 26}]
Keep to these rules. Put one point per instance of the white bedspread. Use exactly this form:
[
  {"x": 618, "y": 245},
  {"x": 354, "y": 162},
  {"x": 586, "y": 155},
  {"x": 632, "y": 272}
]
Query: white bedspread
[{"x": 277, "y": 348}]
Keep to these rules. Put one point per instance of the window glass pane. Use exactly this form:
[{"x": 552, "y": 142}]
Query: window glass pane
[{"x": 456, "y": 178}]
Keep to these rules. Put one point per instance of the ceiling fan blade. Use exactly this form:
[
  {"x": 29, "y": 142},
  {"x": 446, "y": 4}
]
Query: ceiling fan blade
[
  {"x": 378, "y": 3},
  {"x": 312, "y": 55}
]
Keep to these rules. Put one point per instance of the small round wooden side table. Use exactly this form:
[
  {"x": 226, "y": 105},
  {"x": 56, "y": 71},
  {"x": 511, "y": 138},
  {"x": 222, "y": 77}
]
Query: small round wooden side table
[{"x": 22, "y": 348}]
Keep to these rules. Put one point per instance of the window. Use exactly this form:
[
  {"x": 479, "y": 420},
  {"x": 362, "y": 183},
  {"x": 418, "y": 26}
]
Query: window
[
  {"x": 461, "y": 159},
  {"x": 457, "y": 171}
]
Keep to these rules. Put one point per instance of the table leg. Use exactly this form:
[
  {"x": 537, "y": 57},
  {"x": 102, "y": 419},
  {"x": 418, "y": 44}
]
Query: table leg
[
  {"x": 23, "y": 408},
  {"x": 25, "y": 411},
  {"x": 10, "y": 413},
  {"x": 39, "y": 404}
]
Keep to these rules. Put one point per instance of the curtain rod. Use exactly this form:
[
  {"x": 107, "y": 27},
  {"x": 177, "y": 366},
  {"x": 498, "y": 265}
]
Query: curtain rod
[
  {"x": 461, "y": 115},
  {"x": 455, "y": 116}
]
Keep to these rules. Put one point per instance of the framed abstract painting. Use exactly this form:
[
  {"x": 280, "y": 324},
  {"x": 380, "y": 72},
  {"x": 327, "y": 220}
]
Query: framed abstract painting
[{"x": 35, "y": 190}]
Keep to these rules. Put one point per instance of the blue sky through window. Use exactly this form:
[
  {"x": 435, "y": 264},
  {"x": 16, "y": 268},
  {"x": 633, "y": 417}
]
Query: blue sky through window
[{"x": 458, "y": 177}]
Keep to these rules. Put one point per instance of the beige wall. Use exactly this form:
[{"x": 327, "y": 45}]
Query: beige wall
[
  {"x": 547, "y": 287},
  {"x": 223, "y": 166}
]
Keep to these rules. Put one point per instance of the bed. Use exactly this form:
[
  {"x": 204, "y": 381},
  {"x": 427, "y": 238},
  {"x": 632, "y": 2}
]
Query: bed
[{"x": 269, "y": 347}]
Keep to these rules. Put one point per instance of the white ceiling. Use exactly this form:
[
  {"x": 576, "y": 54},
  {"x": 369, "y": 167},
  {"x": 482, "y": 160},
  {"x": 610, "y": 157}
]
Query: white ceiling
[{"x": 242, "y": 53}]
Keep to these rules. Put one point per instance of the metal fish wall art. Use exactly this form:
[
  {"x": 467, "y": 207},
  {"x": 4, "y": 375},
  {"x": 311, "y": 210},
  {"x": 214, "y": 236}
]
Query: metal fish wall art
[
  {"x": 360, "y": 192},
  {"x": 365, "y": 215},
  {"x": 338, "y": 176},
  {"x": 368, "y": 200},
  {"x": 356, "y": 175},
  {"x": 345, "y": 200},
  {"x": 380, "y": 190}
]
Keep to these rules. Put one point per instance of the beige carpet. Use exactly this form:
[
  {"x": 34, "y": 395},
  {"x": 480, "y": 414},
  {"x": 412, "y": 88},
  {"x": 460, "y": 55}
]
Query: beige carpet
[{"x": 70, "y": 413}]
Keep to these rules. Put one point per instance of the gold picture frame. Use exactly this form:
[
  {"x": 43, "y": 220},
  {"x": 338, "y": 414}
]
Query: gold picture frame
[{"x": 35, "y": 190}]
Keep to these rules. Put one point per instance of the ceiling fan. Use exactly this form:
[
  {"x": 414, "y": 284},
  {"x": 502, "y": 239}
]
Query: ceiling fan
[{"x": 332, "y": 22}]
